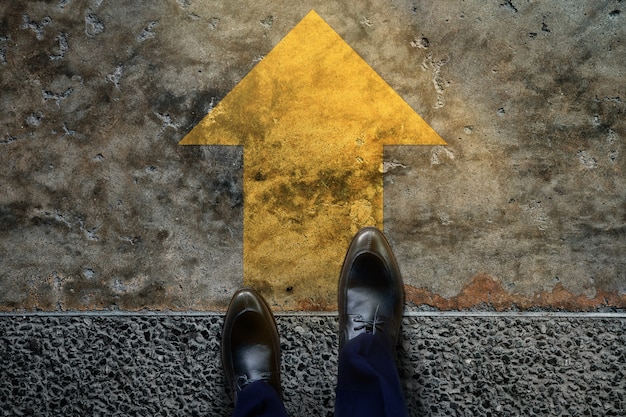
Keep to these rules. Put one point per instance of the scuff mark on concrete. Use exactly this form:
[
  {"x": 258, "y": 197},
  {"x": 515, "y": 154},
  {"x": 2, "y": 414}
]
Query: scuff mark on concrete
[{"x": 434, "y": 65}]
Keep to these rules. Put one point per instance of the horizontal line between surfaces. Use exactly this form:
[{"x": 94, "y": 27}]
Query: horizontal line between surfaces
[{"x": 432, "y": 314}]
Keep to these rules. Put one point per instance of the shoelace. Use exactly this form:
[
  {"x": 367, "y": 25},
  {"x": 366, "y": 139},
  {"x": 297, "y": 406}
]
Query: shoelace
[
  {"x": 243, "y": 380},
  {"x": 370, "y": 326}
]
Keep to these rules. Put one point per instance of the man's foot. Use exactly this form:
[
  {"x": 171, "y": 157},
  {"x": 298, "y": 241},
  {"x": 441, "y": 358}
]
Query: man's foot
[
  {"x": 371, "y": 292},
  {"x": 250, "y": 343}
]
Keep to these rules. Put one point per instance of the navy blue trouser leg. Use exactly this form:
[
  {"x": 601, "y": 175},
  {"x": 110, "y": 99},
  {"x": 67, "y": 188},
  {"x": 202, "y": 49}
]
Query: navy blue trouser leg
[
  {"x": 259, "y": 399},
  {"x": 367, "y": 382},
  {"x": 368, "y": 385}
]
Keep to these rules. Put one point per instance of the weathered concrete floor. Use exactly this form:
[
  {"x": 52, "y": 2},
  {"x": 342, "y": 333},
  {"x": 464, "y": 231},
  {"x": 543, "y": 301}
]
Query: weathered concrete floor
[
  {"x": 101, "y": 209},
  {"x": 136, "y": 365}
]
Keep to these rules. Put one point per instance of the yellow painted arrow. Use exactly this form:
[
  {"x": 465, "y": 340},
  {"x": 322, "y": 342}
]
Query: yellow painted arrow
[{"x": 312, "y": 118}]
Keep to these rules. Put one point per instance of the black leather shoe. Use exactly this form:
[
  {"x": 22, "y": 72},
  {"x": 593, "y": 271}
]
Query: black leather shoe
[
  {"x": 250, "y": 343},
  {"x": 371, "y": 292}
]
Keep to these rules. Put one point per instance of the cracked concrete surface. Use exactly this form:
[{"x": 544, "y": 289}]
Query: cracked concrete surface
[{"x": 101, "y": 209}]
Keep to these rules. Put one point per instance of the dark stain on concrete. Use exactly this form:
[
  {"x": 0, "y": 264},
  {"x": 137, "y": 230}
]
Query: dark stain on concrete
[
  {"x": 226, "y": 195},
  {"x": 154, "y": 293},
  {"x": 14, "y": 215}
]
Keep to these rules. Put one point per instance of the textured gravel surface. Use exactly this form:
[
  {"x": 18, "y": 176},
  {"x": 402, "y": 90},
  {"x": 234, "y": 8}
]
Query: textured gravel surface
[{"x": 152, "y": 365}]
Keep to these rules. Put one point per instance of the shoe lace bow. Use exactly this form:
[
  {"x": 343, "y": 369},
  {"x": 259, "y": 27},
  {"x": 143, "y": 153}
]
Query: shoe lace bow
[
  {"x": 243, "y": 380},
  {"x": 370, "y": 326}
]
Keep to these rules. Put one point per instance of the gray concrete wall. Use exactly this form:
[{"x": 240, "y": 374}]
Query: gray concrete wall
[{"x": 100, "y": 208}]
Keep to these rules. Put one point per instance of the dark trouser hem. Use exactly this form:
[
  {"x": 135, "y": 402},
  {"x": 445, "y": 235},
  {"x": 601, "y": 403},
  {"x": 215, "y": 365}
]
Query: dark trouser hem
[
  {"x": 259, "y": 399},
  {"x": 367, "y": 382}
]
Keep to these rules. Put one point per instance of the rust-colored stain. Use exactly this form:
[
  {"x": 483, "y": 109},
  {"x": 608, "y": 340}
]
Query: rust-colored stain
[
  {"x": 312, "y": 118},
  {"x": 483, "y": 290}
]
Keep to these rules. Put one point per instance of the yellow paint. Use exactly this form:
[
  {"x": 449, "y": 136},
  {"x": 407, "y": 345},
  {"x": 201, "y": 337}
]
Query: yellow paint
[{"x": 313, "y": 118}]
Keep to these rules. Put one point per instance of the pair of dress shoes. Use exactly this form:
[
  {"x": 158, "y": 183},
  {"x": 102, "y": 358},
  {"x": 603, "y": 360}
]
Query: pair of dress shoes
[{"x": 370, "y": 300}]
